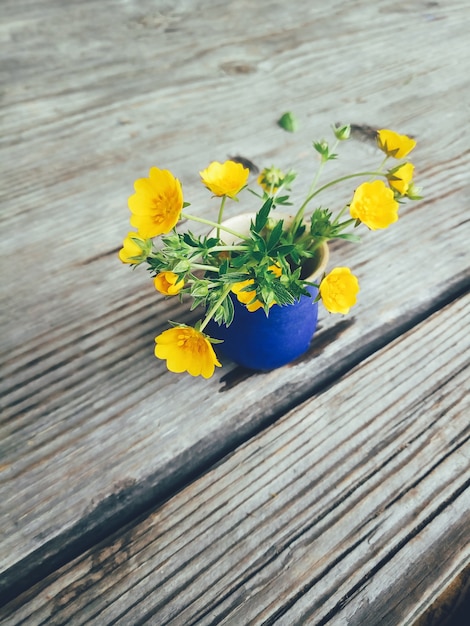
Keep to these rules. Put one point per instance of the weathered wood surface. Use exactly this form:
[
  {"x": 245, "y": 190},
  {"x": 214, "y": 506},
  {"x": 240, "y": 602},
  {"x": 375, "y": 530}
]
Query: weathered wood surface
[
  {"x": 328, "y": 515},
  {"x": 94, "y": 429}
]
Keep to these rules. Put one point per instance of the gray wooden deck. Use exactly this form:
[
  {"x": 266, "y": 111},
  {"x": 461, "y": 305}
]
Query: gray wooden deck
[{"x": 335, "y": 490}]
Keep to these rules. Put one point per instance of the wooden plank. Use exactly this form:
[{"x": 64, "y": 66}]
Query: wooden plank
[
  {"x": 353, "y": 507},
  {"x": 93, "y": 428},
  {"x": 451, "y": 606}
]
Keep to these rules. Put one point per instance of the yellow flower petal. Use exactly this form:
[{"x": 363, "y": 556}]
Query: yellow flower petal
[
  {"x": 374, "y": 204},
  {"x": 246, "y": 297},
  {"x": 393, "y": 144},
  {"x": 276, "y": 270},
  {"x": 168, "y": 283},
  {"x": 156, "y": 204},
  {"x": 400, "y": 178},
  {"x": 134, "y": 249},
  {"x": 254, "y": 306},
  {"x": 338, "y": 290},
  {"x": 225, "y": 179},
  {"x": 186, "y": 349}
]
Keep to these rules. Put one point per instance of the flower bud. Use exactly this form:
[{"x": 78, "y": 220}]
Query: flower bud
[
  {"x": 400, "y": 178},
  {"x": 342, "y": 132},
  {"x": 168, "y": 283},
  {"x": 413, "y": 192},
  {"x": 393, "y": 144},
  {"x": 288, "y": 122},
  {"x": 200, "y": 289},
  {"x": 270, "y": 179},
  {"x": 135, "y": 249}
]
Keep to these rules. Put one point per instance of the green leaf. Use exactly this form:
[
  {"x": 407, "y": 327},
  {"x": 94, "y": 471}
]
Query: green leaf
[
  {"x": 283, "y": 200},
  {"x": 182, "y": 266},
  {"x": 191, "y": 240},
  {"x": 281, "y": 294},
  {"x": 262, "y": 216},
  {"x": 259, "y": 244},
  {"x": 275, "y": 235},
  {"x": 239, "y": 261},
  {"x": 210, "y": 242},
  {"x": 228, "y": 311},
  {"x": 234, "y": 277},
  {"x": 199, "y": 289},
  {"x": 223, "y": 269},
  {"x": 285, "y": 249}
]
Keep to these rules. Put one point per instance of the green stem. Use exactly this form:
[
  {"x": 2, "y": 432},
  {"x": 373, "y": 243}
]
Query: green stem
[
  {"x": 212, "y": 268},
  {"x": 318, "y": 243},
  {"x": 207, "y": 268},
  {"x": 214, "y": 225},
  {"x": 255, "y": 193},
  {"x": 383, "y": 162},
  {"x": 221, "y": 212},
  {"x": 211, "y": 312},
  {"x": 320, "y": 168},
  {"x": 335, "y": 182},
  {"x": 229, "y": 248},
  {"x": 337, "y": 218},
  {"x": 300, "y": 213},
  {"x": 346, "y": 223}
]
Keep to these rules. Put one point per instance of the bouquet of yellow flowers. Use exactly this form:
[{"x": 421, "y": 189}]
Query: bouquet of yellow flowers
[{"x": 263, "y": 267}]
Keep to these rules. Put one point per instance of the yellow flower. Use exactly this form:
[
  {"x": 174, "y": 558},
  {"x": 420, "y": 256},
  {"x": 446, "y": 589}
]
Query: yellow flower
[
  {"x": 134, "y": 249},
  {"x": 338, "y": 290},
  {"x": 156, "y": 204},
  {"x": 168, "y": 283},
  {"x": 374, "y": 204},
  {"x": 393, "y": 144},
  {"x": 400, "y": 178},
  {"x": 245, "y": 297},
  {"x": 186, "y": 349},
  {"x": 225, "y": 179},
  {"x": 270, "y": 179}
]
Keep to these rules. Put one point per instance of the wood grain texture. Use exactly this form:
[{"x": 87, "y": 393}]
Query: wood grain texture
[
  {"x": 338, "y": 513},
  {"x": 93, "y": 428}
]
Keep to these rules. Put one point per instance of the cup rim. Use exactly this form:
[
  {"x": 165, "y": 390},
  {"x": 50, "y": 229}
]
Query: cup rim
[{"x": 241, "y": 223}]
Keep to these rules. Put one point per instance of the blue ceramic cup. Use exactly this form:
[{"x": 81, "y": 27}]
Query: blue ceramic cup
[{"x": 262, "y": 342}]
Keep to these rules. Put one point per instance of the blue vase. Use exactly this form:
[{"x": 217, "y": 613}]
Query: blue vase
[{"x": 262, "y": 342}]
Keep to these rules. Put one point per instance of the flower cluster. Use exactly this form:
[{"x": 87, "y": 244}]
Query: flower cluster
[{"x": 264, "y": 267}]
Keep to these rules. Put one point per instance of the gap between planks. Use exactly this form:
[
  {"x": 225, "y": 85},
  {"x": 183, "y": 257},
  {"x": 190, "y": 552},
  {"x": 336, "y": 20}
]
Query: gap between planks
[
  {"x": 321, "y": 515},
  {"x": 133, "y": 501}
]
